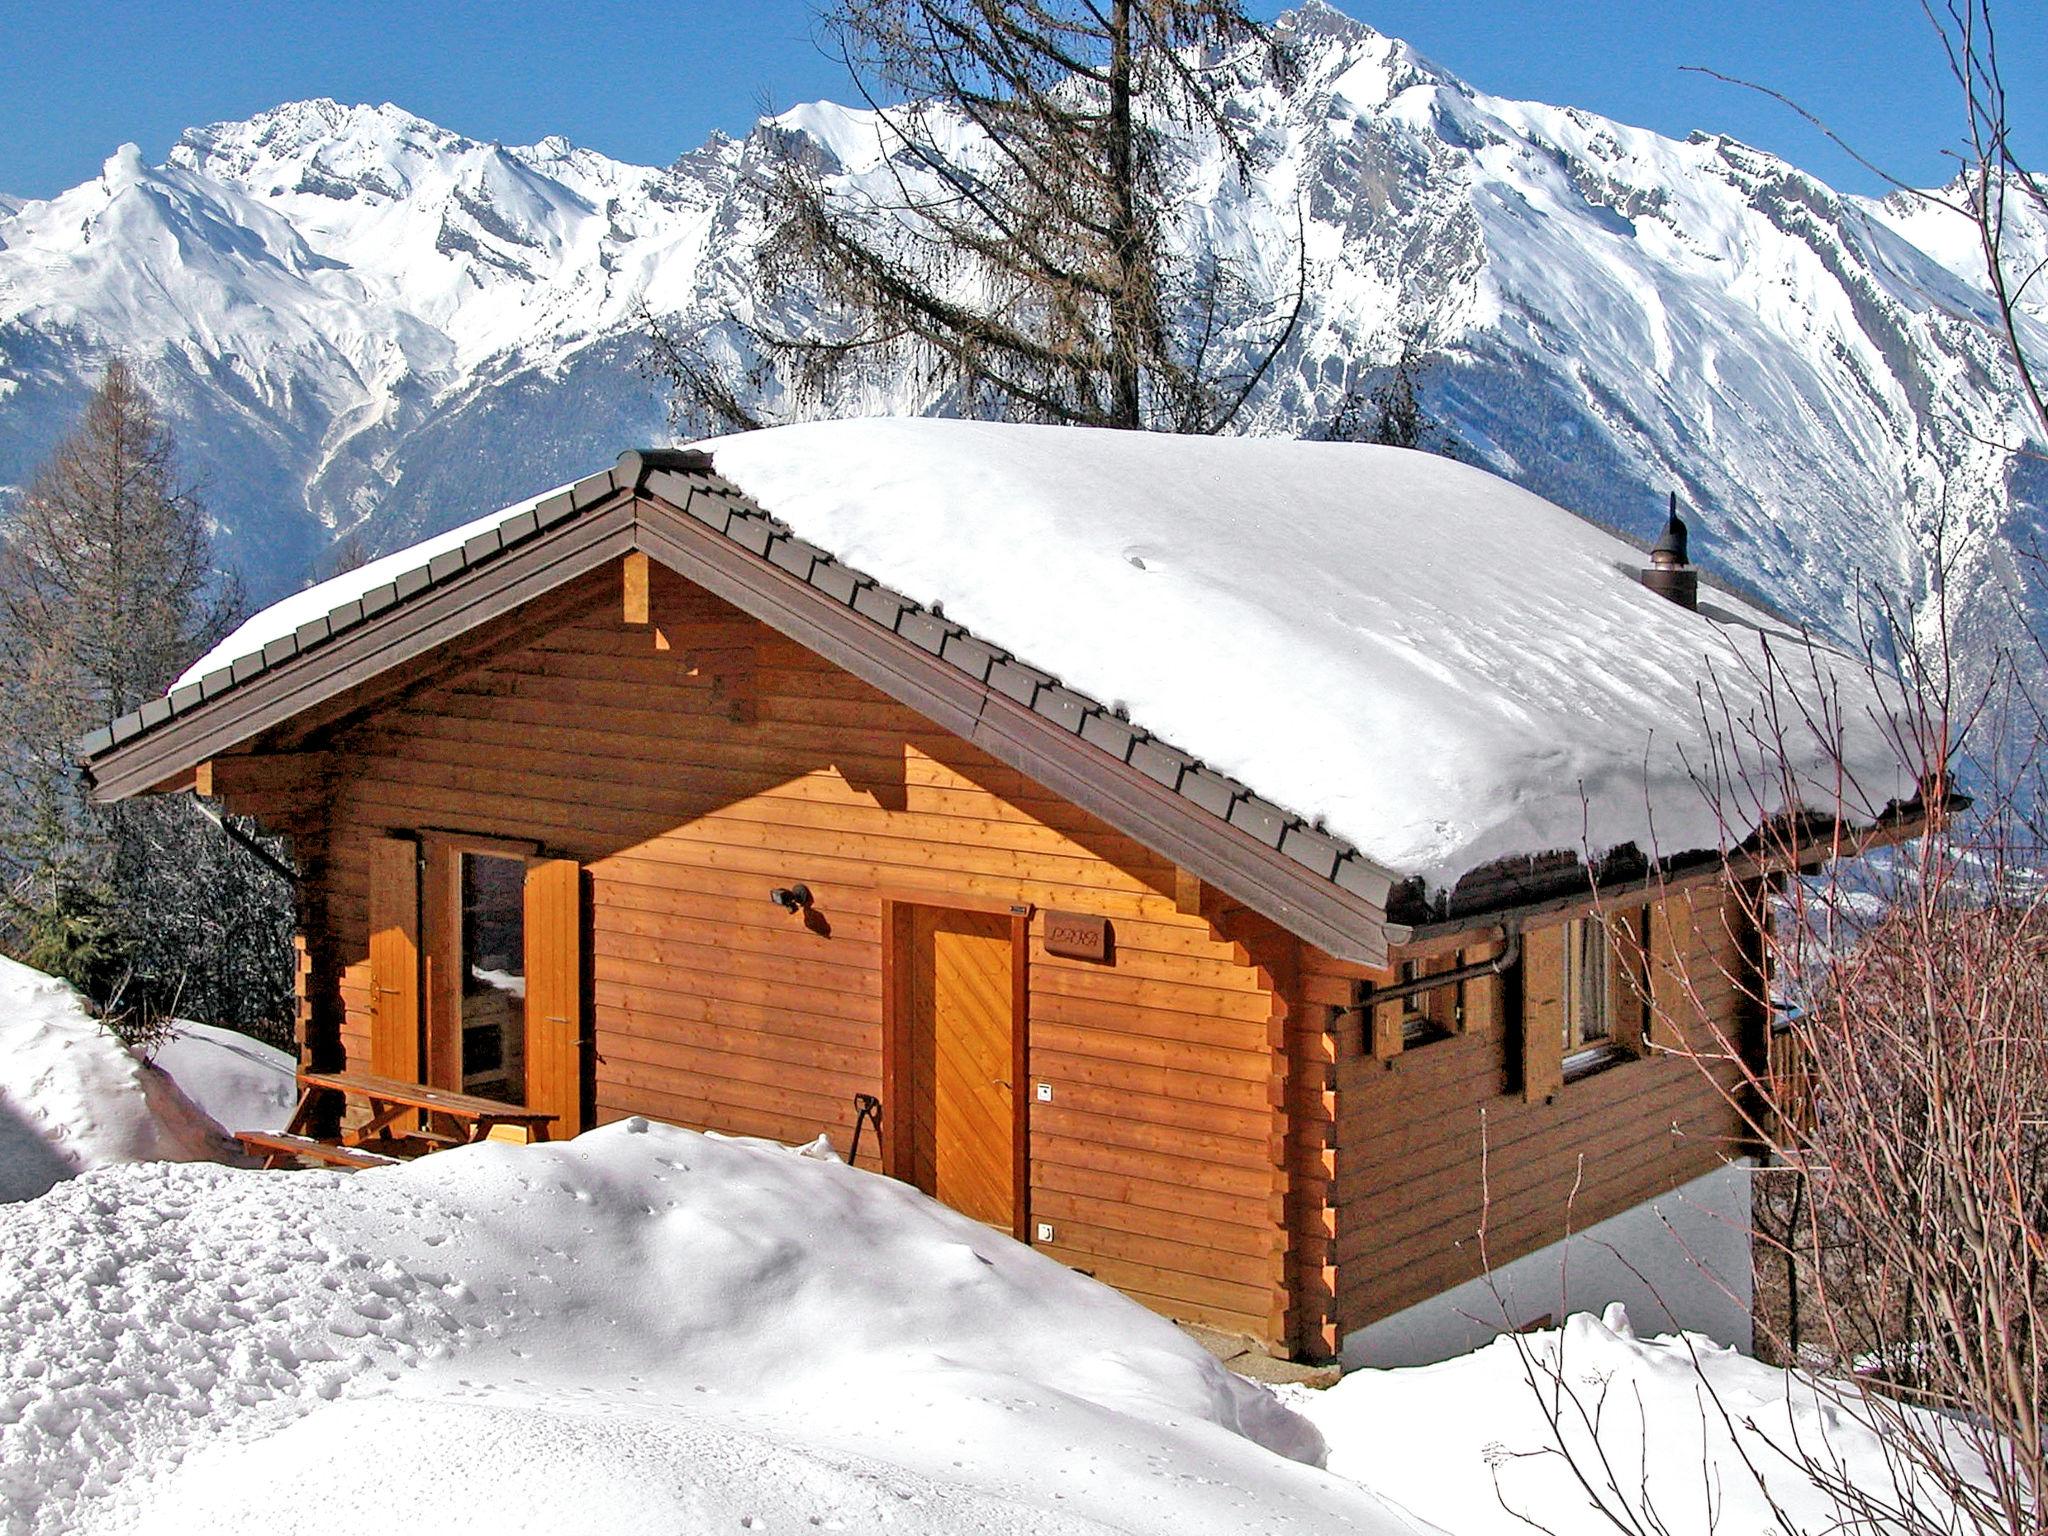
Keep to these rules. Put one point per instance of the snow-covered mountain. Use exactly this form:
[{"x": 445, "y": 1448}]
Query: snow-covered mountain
[{"x": 359, "y": 320}]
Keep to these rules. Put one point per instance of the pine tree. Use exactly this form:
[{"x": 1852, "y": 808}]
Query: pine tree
[
  {"x": 107, "y": 589},
  {"x": 1032, "y": 268}
]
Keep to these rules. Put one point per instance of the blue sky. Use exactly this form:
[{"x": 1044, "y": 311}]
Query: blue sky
[{"x": 647, "y": 81}]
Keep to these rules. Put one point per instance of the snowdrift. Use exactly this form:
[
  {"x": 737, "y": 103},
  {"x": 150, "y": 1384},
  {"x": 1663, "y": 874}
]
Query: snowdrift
[
  {"x": 1686, "y": 1426},
  {"x": 645, "y": 1326},
  {"x": 73, "y": 1097}
]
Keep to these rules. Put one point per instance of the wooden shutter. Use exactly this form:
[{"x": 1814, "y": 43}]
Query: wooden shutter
[
  {"x": 554, "y": 992},
  {"x": 1542, "y": 1023},
  {"x": 395, "y": 958}
]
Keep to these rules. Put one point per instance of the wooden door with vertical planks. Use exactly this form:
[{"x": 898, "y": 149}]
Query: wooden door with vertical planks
[{"x": 959, "y": 1037}]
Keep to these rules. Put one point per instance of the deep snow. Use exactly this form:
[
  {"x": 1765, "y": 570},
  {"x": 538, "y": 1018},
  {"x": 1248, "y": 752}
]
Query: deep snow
[
  {"x": 645, "y": 1326},
  {"x": 652, "y": 1329},
  {"x": 73, "y": 1097},
  {"x": 1686, "y": 1426},
  {"x": 241, "y": 1084}
]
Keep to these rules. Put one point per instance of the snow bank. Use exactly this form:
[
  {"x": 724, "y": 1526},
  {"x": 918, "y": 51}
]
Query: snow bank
[
  {"x": 73, "y": 1097},
  {"x": 1465, "y": 1446},
  {"x": 1446, "y": 668},
  {"x": 643, "y": 1325},
  {"x": 241, "y": 1084}
]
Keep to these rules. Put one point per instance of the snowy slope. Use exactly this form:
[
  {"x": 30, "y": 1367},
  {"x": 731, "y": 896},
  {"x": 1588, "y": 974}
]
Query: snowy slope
[
  {"x": 241, "y": 1084},
  {"x": 1464, "y": 1444},
  {"x": 645, "y": 1328},
  {"x": 72, "y": 1097},
  {"x": 358, "y": 317}
]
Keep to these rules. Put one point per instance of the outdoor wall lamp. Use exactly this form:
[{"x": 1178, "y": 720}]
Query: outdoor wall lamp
[{"x": 791, "y": 898}]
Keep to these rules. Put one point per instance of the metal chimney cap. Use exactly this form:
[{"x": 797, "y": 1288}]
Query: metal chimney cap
[{"x": 1670, "y": 548}]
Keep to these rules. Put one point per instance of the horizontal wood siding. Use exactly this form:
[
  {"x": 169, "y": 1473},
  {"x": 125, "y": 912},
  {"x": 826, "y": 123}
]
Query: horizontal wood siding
[
  {"x": 695, "y": 761},
  {"x": 1412, "y": 1128}
]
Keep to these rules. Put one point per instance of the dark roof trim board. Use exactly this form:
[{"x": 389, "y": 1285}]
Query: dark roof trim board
[{"x": 671, "y": 504}]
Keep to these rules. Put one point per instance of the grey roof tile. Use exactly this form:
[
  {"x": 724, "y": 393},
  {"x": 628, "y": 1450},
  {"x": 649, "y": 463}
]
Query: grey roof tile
[
  {"x": 1314, "y": 850},
  {"x": 377, "y": 599},
  {"x": 450, "y": 562},
  {"x": 1017, "y": 680},
  {"x": 483, "y": 546},
  {"x": 879, "y": 603},
  {"x": 513, "y": 529},
  {"x": 797, "y": 556},
  {"x": 1263, "y": 819},
  {"x": 245, "y": 667},
  {"x": 1112, "y": 735},
  {"x": 95, "y": 742},
  {"x": 1211, "y": 790},
  {"x": 218, "y": 681},
  {"x": 1361, "y": 879},
  {"x": 591, "y": 488},
  {"x": 558, "y": 506},
  {"x": 750, "y": 533},
  {"x": 312, "y": 632},
  {"x": 925, "y": 629},
  {"x": 283, "y": 648},
  {"x": 709, "y": 508},
  {"x": 972, "y": 656},
  {"x": 1156, "y": 760},
  {"x": 184, "y": 698},
  {"x": 835, "y": 580},
  {"x": 1064, "y": 707},
  {"x": 154, "y": 712},
  {"x": 408, "y": 583}
]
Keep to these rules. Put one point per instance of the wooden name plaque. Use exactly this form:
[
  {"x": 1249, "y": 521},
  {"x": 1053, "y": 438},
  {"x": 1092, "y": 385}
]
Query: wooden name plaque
[{"x": 1077, "y": 936}]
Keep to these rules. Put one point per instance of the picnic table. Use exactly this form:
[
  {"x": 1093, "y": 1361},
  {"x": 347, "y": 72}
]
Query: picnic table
[{"x": 388, "y": 1098}]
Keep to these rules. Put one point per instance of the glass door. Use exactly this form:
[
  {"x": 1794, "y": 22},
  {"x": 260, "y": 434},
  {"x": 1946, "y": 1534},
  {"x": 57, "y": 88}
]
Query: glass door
[{"x": 493, "y": 973}]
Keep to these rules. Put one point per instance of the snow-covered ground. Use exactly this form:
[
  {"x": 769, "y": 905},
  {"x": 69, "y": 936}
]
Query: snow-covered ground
[
  {"x": 242, "y": 1084},
  {"x": 645, "y": 1328},
  {"x": 1686, "y": 1428},
  {"x": 655, "y": 1330}
]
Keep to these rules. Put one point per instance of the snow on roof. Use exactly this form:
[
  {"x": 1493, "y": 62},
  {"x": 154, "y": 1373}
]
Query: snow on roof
[
  {"x": 1430, "y": 662},
  {"x": 1439, "y": 666}
]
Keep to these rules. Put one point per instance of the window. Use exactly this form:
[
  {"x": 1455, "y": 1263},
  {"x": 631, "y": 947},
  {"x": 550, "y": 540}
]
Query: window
[
  {"x": 1428, "y": 1015},
  {"x": 1588, "y": 988},
  {"x": 493, "y": 977}
]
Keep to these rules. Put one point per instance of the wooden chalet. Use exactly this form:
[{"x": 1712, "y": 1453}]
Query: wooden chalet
[{"x": 635, "y": 800}]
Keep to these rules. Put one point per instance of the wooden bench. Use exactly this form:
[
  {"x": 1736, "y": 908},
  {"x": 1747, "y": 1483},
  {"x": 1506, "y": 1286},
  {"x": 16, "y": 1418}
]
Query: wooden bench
[
  {"x": 276, "y": 1146},
  {"x": 390, "y": 1097},
  {"x": 372, "y": 1144}
]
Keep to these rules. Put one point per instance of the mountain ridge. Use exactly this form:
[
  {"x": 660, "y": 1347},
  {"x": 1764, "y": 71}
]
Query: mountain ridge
[{"x": 358, "y": 320}]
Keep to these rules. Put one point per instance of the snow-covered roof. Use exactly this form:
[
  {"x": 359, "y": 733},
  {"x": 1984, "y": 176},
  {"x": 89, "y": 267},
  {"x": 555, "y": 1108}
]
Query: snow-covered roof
[
  {"x": 1412, "y": 654},
  {"x": 1438, "y": 666}
]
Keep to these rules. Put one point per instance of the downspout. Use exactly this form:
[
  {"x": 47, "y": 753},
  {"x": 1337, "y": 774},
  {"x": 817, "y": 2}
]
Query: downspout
[
  {"x": 261, "y": 854},
  {"x": 1366, "y": 996}
]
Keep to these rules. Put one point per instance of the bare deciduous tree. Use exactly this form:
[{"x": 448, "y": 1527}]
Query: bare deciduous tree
[{"x": 1017, "y": 246}]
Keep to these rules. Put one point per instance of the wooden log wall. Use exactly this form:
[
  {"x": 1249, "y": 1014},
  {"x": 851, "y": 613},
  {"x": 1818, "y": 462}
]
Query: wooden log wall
[
  {"x": 1412, "y": 1123},
  {"x": 694, "y": 760}
]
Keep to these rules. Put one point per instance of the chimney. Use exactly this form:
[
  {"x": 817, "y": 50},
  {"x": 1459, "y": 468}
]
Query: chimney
[{"x": 1668, "y": 573}]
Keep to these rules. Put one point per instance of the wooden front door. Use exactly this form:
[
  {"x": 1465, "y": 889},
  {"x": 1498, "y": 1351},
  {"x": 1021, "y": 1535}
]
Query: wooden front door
[{"x": 958, "y": 1038}]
